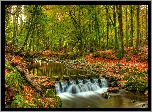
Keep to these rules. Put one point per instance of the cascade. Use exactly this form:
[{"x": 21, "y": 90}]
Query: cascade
[{"x": 77, "y": 86}]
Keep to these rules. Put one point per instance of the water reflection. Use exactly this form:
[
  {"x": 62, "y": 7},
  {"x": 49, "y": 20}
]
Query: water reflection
[{"x": 54, "y": 69}]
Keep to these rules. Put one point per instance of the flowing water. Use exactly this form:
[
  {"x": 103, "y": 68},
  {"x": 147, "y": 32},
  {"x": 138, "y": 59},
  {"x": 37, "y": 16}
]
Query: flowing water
[{"x": 86, "y": 92}]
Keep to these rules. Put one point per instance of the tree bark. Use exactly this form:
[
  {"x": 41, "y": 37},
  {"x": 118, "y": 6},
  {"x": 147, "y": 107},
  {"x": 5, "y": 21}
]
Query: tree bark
[
  {"x": 114, "y": 17},
  {"x": 126, "y": 27},
  {"x": 107, "y": 18},
  {"x": 121, "y": 47},
  {"x": 138, "y": 26},
  {"x": 132, "y": 30}
]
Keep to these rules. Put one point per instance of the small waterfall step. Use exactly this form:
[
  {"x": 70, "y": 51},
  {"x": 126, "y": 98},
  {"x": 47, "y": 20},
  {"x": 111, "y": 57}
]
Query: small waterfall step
[{"x": 77, "y": 86}]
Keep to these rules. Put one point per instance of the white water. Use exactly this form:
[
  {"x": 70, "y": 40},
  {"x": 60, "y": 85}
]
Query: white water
[
  {"x": 82, "y": 88},
  {"x": 67, "y": 95}
]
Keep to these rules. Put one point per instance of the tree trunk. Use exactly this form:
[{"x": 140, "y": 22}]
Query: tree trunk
[
  {"x": 107, "y": 18},
  {"x": 114, "y": 17},
  {"x": 146, "y": 24},
  {"x": 132, "y": 31},
  {"x": 126, "y": 27},
  {"x": 138, "y": 27},
  {"x": 121, "y": 48}
]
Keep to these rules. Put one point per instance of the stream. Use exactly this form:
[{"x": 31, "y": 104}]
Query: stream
[{"x": 82, "y": 93}]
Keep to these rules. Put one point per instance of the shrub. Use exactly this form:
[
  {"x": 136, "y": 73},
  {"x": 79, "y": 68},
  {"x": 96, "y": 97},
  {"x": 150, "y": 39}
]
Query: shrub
[{"x": 136, "y": 81}]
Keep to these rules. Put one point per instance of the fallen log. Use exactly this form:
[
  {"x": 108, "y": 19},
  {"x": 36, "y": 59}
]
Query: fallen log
[{"x": 24, "y": 73}]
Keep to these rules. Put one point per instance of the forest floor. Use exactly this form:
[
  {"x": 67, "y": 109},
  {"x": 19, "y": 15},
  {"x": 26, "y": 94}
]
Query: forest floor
[
  {"x": 24, "y": 90},
  {"x": 132, "y": 70}
]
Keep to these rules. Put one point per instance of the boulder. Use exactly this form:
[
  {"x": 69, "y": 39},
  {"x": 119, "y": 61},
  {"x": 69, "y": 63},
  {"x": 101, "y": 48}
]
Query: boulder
[
  {"x": 65, "y": 77},
  {"x": 105, "y": 95},
  {"x": 81, "y": 77},
  {"x": 74, "y": 89},
  {"x": 56, "y": 78},
  {"x": 88, "y": 76},
  {"x": 74, "y": 77}
]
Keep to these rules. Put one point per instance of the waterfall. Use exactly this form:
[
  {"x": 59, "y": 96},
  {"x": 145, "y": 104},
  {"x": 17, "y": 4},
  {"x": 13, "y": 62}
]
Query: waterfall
[{"x": 77, "y": 86}]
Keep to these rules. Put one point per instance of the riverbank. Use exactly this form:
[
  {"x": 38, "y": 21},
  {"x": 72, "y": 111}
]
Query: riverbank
[{"x": 132, "y": 77}]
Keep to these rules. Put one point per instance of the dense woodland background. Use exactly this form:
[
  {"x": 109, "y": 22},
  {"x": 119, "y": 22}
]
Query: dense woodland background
[{"x": 76, "y": 29}]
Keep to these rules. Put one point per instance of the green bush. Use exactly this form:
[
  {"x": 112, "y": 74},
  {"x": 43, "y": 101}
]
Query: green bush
[
  {"x": 136, "y": 81},
  {"x": 51, "y": 94},
  {"x": 20, "y": 102}
]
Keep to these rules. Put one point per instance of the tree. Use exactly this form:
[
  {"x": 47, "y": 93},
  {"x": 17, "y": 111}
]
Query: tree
[
  {"x": 107, "y": 18},
  {"x": 114, "y": 18},
  {"x": 132, "y": 30},
  {"x": 121, "y": 47},
  {"x": 146, "y": 22},
  {"x": 126, "y": 27},
  {"x": 138, "y": 26}
]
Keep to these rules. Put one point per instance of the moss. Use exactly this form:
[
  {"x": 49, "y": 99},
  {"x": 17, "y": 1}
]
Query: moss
[{"x": 51, "y": 94}]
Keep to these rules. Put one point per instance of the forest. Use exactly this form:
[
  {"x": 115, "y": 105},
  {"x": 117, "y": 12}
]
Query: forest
[{"x": 96, "y": 44}]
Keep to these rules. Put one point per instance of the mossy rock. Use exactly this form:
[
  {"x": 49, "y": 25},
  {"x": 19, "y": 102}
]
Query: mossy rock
[
  {"x": 105, "y": 95},
  {"x": 56, "y": 78},
  {"x": 88, "y": 76},
  {"x": 81, "y": 76},
  {"x": 74, "y": 77},
  {"x": 66, "y": 77}
]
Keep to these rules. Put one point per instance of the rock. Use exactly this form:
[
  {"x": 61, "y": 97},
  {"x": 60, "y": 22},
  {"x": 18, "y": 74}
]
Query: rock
[
  {"x": 96, "y": 75},
  {"x": 113, "y": 89},
  {"x": 74, "y": 89},
  {"x": 48, "y": 78},
  {"x": 105, "y": 95},
  {"x": 88, "y": 76},
  {"x": 81, "y": 76},
  {"x": 92, "y": 81},
  {"x": 65, "y": 77},
  {"x": 133, "y": 101},
  {"x": 56, "y": 78},
  {"x": 74, "y": 77}
]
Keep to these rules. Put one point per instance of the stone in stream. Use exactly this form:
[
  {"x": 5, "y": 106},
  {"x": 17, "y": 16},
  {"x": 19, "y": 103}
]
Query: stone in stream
[
  {"x": 60, "y": 86},
  {"x": 68, "y": 82},
  {"x": 100, "y": 84},
  {"x": 74, "y": 89},
  {"x": 105, "y": 95},
  {"x": 48, "y": 78},
  {"x": 65, "y": 77},
  {"x": 77, "y": 82},
  {"x": 88, "y": 76},
  {"x": 84, "y": 81},
  {"x": 81, "y": 76},
  {"x": 92, "y": 81},
  {"x": 74, "y": 77},
  {"x": 56, "y": 78}
]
